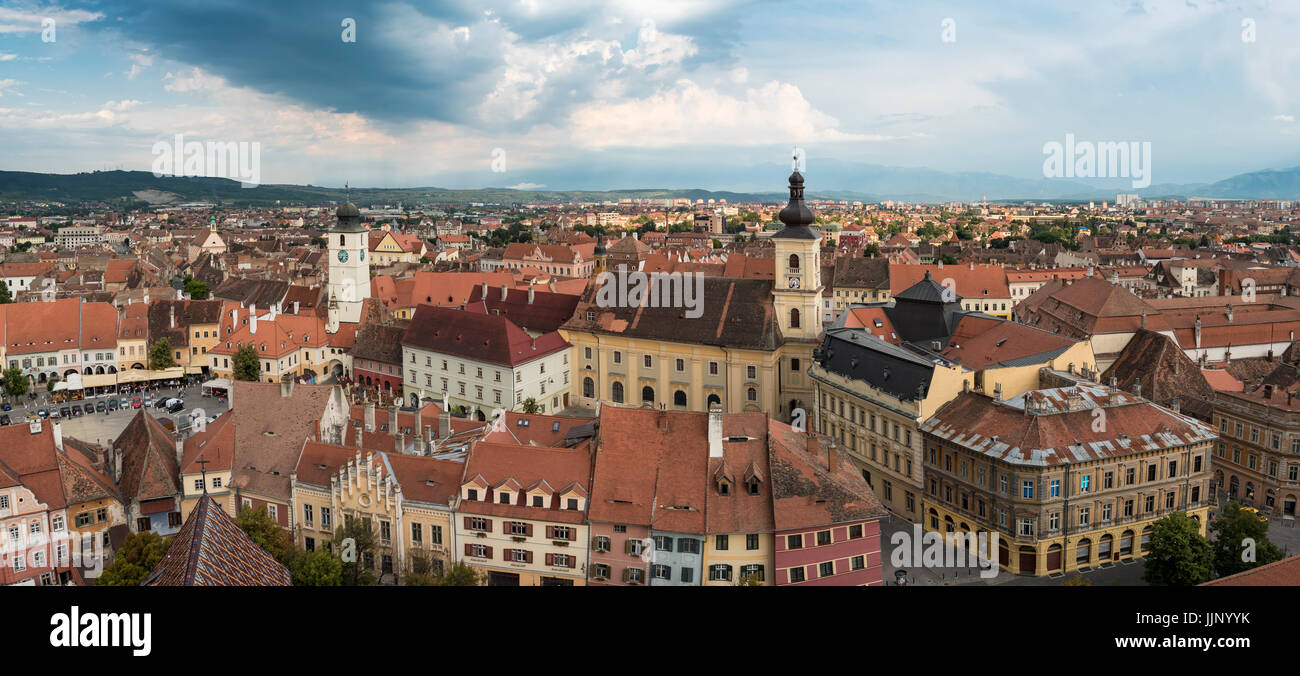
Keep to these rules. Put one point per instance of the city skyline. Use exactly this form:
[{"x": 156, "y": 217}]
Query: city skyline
[{"x": 572, "y": 96}]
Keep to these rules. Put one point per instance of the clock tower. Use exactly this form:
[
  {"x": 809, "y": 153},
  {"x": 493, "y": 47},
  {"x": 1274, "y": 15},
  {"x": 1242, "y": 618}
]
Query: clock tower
[
  {"x": 349, "y": 272},
  {"x": 797, "y": 291}
]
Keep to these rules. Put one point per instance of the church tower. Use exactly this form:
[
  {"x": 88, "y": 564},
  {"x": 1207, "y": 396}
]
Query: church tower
[
  {"x": 797, "y": 292},
  {"x": 349, "y": 272}
]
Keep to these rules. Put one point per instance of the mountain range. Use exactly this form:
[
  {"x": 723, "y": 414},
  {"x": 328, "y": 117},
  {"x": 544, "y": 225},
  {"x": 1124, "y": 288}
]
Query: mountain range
[{"x": 834, "y": 180}]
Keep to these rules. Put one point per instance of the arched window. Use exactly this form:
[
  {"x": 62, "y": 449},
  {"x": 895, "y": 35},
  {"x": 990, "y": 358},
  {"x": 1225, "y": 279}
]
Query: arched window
[
  {"x": 648, "y": 394},
  {"x": 794, "y": 262},
  {"x": 588, "y": 388},
  {"x": 679, "y": 398},
  {"x": 794, "y": 318},
  {"x": 341, "y": 241},
  {"x": 714, "y": 400},
  {"x": 616, "y": 393},
  {"x": 751, "y": 394}
]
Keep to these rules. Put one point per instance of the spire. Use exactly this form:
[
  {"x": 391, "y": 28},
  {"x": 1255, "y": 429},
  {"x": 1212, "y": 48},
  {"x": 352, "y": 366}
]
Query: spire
[
  {"x": 796, "y": 215},
  {"x": 203, "y": 470}
]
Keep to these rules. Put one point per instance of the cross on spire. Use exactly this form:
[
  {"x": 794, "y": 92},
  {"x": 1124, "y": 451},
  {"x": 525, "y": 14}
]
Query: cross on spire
[{"x": 203, "y": 470}]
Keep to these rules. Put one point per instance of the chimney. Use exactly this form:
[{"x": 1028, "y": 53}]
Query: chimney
[
  {"x": 392, "y": 419},
  {"x": 485, "y": 290},
  {"x": 444, "y": 422},
  {"x": 419, "y": 423},
  {"x": 530, "y": 294},
  {"x": 715, "y": 431},
  {"x": 832, "y": 456},
  {"x": 295, "y": 307},
  {"x": 274, "y": 310},
  {"x": 286, "y": 387},
  {"x": 1144, "y": 318},
  {"x": 369, "y": 416},
  {"x": 58, "y": 435},
  {"x": 1137, "y": 387},
  {"x": 1229, "y": 312},
  {"x": 171, "y": 312},
  {"x": 428, "y": 438},
  {"x": 399, "y": 443},
  {"x": 180, "y": 445},
  {"x": 504, "y": 289},
  {"x": 34, "y": 426},
  {"x": 1268, "y": 391},
  {"x": 117, "y": 462},
  {"x": 358, "y": 437},
  {"x": 180, "y": 294},
  {"x": 1177, "y": 405},
  {"x": 252, "y": 318}
]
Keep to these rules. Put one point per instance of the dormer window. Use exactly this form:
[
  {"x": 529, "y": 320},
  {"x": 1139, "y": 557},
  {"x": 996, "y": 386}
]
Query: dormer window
[
  {"x": 752, "y": 484},
  {"x": 539, "y": 501},
  {"x": 724, "y": 487},
  {"x": 472, "y": 494},
  {"x": 572, "y": 503},
  {"x": 503, "y": 497}
]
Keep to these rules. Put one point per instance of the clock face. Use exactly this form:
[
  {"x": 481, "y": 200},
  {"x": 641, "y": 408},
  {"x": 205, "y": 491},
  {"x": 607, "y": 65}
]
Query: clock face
[
  {"x": 794, "y": 282},
  {"x": 343, "y": 256}
]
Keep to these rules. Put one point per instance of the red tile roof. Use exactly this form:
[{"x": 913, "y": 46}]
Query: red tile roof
[
  {"x": 212, "y": 551},
  {"x": 488, "y": 338}
]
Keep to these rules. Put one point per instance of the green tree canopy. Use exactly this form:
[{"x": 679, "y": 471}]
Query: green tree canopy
[
  {"x": 1180, "y": 555},
  {"x": 134, "y": 560},
  {"x": 530, "y": 406},
  {"x": 5, "y": 296},
  {"x": 315, "y": 569},
  {"x": 160, "y": 355},
  {"x": 460, "y": 575},
  {"x": 263, "y": 530},
  {"x": 15, "y": 382},
  {"x": 1234, "y": 530},
  {"x": 247, "y": 365},
  {"x": 196, "y": 289},
  {"x": 353, "y": 554}
]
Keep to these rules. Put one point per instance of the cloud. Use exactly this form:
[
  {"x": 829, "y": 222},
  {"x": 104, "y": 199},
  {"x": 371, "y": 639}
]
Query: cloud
[
  {"x": 8, "y": 57},
  {"x": 689, "y": 114},
  {"x": 8, "y": 84},
  {"x": 1284, "y": 118},
  {"x": 139, "y": 62},
  {"x": 19, "y": 22},
  {"x": 527, "y": 186}
]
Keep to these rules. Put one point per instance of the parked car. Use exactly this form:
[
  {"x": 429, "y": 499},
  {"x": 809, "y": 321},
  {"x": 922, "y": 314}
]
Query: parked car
[
  {"x": 76, "y": 411},
  {"x": 125, "y": 402},
  {"x": 43, "y": 413},
  {"x": 1256, "y": 512},
  {"x": 161, "y": 403},
  {"x": 176, "y": 406},
  {"x": 60, "y": 413},
  {"x": 6, "y": 407},
  {"x": 101, "y": 407},
  {"x": 112, "y": 405},
  {"x": 89, "y": 407},
  {"x": 136, "y": 403},
  {"x": 4, "y": 420}
]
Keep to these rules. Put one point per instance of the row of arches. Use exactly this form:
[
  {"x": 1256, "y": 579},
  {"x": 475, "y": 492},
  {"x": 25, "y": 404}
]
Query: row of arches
[
  {"x": 1087, "y": 551},
  {"x": 1244, "y": 493},
  {"x": 618, "y": 394}
]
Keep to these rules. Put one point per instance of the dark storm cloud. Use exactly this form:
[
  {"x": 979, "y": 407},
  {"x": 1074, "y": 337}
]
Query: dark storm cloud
[{"x": 409, "y": 62}]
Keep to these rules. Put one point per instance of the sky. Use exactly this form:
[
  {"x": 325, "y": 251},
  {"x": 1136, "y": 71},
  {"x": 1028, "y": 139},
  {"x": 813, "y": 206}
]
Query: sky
[{"x": 622, "y": 94}]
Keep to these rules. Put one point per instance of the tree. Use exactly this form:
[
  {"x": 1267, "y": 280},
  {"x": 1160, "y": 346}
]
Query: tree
[
  {"x": 263, "y": 530},
  {"x": 421, "y": 574},
  {"x": 871, "y": 251},
  {"x": 314, "y": 569},
  {"x": 530, "y": 406},
  {"x": 15, "y": 382},
  {"x": 748, "y": 580},
  {"x": 1180, "y": 556},
  {"x": 196, "y": 289},
  {"x": 460, "y": 575},
  {"x": 5, "y": 296},
  {"x": 248, "y": 366},
  {"x": 160, "y": 355},
  {"x": 134, "y": 560},
  {"x": 353, "y": 542},
  {"x": 1234, "y": 531},
  {"x": 1077, "y": 581}
]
